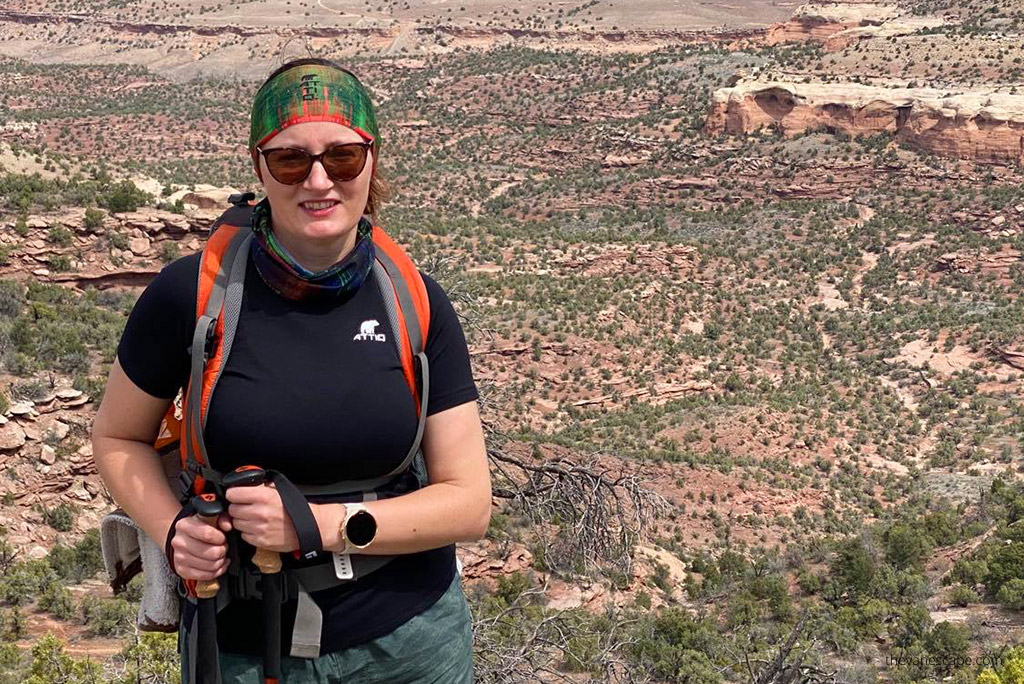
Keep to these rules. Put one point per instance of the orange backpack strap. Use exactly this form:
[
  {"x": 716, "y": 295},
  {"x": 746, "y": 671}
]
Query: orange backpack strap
[
  {"x": 218, "y": 304},
  {"x": 412, "y": 307}
]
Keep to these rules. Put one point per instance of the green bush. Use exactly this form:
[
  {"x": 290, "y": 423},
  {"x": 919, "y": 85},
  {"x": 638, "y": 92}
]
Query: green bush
[
  {"x": 13, "y": 624},
  {"x": 673, "y": 646},
  {"x": 969, "y": 572},
  {"x": 1011, "y": 594},
  {"x": 117, "y": 239},
  {"x": 12, "y": 298},
  {"x": 108, "y": 616},
  {"x": 124, "y": 196},
  {"x": 52, "y": 665},
  {"x": 948, "y": 644},
  {"x": 56, "y": 600},
  {"x": 168, "y": 251},
  {"x": 24, "y": 581},
  {"x": 1005, "y": 563},
  {"x": 78, "y": 562},
  {"x": 61, "y": 517},
  {"x": 907, "y": 546},
  {"x": 150, "y": 657},
  {"x": 93, "y": 219},
  {"x": 963, "y": 596},
  {"x": 853, "y": 567},
  {"x": 59, "y": 263},
  {"x": 60, "y": 236}
]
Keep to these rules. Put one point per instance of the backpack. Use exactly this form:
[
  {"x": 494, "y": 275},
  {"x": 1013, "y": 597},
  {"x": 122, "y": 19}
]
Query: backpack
[{"x": 221, "y": 280}]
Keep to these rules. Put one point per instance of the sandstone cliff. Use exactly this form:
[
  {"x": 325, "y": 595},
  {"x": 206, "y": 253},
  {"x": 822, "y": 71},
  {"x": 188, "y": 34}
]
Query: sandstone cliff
[
  {"x": 980, "y": 125},
  {"x": 836, "y": 25}
]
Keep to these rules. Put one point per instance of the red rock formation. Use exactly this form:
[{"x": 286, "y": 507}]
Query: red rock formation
[
  {"x": 837, "y": 25},
  {"x": 979, "y": 125}
]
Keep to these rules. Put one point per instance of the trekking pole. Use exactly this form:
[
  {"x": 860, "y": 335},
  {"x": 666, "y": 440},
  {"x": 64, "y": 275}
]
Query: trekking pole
[
  {"x": 207, "y": 507},
  {"x": 269, "y": 564}
]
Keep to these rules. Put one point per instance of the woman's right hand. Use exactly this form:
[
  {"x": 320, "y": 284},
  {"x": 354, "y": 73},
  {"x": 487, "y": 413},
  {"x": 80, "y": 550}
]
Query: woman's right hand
[{"x": 200, "y": 549}]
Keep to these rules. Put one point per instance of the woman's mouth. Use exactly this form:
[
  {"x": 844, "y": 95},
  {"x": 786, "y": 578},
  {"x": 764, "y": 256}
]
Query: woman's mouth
[{"x": 319, "y": 208}]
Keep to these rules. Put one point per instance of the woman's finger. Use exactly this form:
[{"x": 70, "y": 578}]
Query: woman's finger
[
  {"x": 196, "y": 529},
  {"x": 193, "y": 573},
  {"x": 189, "y": 551}
]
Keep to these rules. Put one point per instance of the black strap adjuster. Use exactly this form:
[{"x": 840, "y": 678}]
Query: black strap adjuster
[{"x": 241, "y": 199}]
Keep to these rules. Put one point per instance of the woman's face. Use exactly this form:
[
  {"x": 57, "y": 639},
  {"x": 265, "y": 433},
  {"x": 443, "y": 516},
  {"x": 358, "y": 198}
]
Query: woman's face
[{"x": 293, "y": 217}]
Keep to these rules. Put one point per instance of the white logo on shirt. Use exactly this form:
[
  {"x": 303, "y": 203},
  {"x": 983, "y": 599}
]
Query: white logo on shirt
[{"x": 367, "y": 332}]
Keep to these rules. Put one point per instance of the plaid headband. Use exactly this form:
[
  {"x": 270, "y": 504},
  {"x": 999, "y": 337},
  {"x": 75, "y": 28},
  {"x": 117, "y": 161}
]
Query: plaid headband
[{"x": 312, "y": 92}]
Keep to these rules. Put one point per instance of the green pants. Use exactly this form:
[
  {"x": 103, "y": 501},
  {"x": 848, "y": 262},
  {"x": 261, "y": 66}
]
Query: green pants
[{"x": 434, "y": 647}]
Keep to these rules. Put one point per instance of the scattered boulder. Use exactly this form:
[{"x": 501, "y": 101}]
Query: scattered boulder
[
  {"x": 12, "y": 436},
  {"x": 139, "y": 245}
]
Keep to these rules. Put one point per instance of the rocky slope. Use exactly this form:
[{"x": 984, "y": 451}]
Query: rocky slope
[{"x": 974, "y": 124}]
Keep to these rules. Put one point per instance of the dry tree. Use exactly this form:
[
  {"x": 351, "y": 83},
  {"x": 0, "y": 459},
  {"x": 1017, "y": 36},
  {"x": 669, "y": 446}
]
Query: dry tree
[{"x": 586, "y": 517}]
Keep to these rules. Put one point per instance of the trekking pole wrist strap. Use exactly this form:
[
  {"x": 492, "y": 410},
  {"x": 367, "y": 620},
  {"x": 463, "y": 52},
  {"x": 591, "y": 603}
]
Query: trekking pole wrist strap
[
  {"x": 185, "y": 511},
  {"x": 295, "y": 505}
]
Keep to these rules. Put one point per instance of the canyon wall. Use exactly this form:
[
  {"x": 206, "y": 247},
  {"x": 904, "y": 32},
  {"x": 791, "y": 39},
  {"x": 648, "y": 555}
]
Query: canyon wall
[{"x": 979, "y": 125}]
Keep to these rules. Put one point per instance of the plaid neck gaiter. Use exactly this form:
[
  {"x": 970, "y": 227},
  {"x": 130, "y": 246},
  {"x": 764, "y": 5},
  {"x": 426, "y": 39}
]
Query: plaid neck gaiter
[{"x": 285, "y": 276}]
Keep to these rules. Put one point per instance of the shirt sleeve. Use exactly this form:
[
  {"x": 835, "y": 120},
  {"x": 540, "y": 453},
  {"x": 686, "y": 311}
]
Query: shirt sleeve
[
  {"x": 451, "y": 376},
  {"x": 154, "y": 347}
]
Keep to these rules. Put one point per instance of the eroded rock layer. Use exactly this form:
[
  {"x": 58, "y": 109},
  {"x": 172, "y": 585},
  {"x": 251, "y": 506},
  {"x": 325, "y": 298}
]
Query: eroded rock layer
[{"x": 980, "y": 125}]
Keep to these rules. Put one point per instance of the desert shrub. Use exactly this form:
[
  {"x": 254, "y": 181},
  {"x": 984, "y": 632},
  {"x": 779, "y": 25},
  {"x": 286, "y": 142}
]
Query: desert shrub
[
  {"x": 1005, "y": 563},
  {"x": 25, "y": 580},
  {"x": 673, "y": 646},
  {"x": 962, "y": 596},
  {"x": 12, "y": 298},
  {"x": 60, "y": 236},
  {"x": 124, "y": 196},
  {"x": 969, "y": 572},
  {"x": 1011, "y": 594},
  {"x": 51, "y": 664},
  {"x": 93, "y": 219},
  {"x": 853, "y": 567},
  {"x": 108, "y": 616},
  {"x": 168, "y": 251},
  {"x": 948, "y": 645},
  {"x": 56, "y": 600},
  {"x": 78, "y": 562},
  {"x": 61, "y": 517},
  {"x": 150, "y": 657}
]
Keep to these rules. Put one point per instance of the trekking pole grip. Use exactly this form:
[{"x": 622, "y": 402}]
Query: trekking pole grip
[
  {"x": 208, "y": 507},
  {"x": 267, "y": 561}
]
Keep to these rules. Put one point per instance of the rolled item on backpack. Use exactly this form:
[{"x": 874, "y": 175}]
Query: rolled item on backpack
[{"x": 127, "y": 550}]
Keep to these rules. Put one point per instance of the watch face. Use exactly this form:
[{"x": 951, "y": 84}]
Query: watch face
[{"x": 361, "y": 528}]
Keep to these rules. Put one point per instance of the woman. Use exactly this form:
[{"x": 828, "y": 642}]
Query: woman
[{"x": 302, "y": 395}]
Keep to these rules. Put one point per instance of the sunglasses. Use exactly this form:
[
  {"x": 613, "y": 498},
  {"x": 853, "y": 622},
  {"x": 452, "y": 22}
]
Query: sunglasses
[{"x": 342, "y": 162}]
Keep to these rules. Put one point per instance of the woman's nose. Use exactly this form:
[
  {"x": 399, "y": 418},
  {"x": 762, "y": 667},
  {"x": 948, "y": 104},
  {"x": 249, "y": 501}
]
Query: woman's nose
[{"x": 318, "y": 178}]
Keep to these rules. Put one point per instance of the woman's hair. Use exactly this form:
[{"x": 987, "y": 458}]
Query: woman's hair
[{"x": 380, "y": 189}]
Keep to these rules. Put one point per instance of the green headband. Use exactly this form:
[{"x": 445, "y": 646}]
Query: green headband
[{"x": 312, "y": 92}]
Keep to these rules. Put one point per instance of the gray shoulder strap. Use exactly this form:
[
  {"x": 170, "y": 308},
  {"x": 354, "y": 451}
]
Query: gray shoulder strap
[{"x": 227, "y": 293}]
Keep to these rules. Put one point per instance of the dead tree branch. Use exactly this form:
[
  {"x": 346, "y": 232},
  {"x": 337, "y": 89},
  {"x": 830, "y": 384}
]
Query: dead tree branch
[{"x": 589, "y": 517}]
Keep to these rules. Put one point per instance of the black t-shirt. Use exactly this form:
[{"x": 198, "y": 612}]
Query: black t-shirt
[{"x": 301, "y": 395}]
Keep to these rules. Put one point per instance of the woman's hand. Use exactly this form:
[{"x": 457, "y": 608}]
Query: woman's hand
[
  {"x": 200, "y": 549},
  {"x": 257, "y": 512}
]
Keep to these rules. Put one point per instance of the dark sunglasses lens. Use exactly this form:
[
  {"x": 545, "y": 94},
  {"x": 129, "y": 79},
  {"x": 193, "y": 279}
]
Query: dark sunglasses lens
[
  {"x": 288, "y": 166},
  {"x": 344, "y": 162}
]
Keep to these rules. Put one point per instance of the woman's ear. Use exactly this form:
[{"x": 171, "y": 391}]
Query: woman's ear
[{"x": 256, "y": 165}]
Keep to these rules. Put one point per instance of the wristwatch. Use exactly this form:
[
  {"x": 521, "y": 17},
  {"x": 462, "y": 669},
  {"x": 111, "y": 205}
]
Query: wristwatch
[{"x": 358, "y": 528}]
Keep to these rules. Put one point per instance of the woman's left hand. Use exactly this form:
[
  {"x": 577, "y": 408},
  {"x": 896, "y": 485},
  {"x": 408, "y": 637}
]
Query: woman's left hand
[{"x": 257, "y": 512}]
